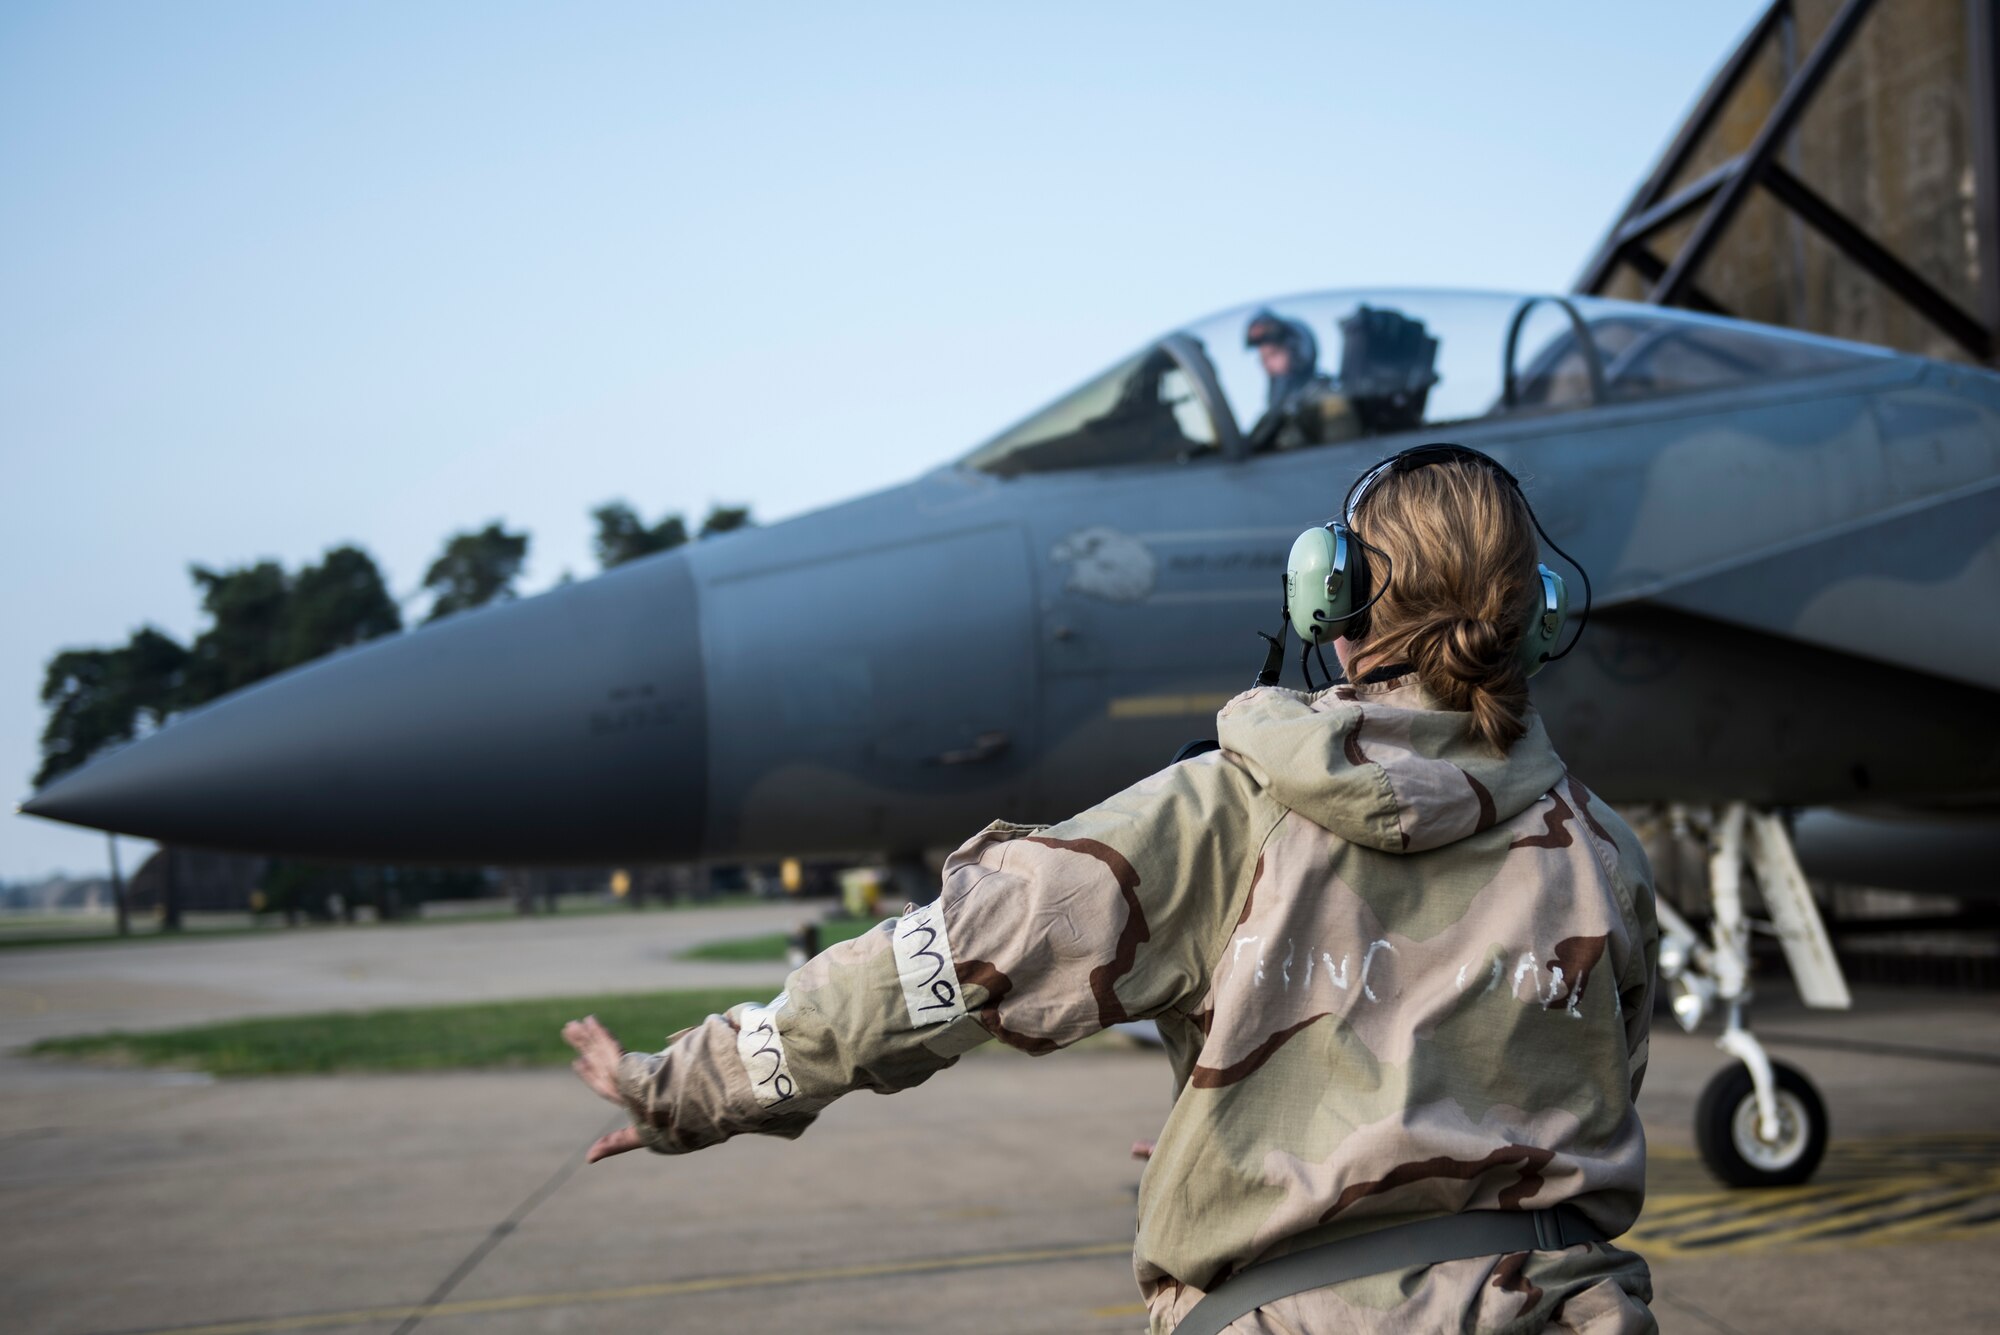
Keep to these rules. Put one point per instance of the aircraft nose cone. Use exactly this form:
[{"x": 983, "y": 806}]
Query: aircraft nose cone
[{"x": 569, "y": 727}]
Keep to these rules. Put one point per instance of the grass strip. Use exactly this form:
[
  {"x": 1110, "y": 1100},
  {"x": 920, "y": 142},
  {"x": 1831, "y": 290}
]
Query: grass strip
[
  {"x": 425, "y": 1038},
  {"x": 771, "y": 945}
]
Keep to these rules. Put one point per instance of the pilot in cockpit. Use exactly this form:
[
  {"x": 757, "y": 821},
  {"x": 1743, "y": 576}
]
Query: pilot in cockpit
[{"x": 1301, "y": 407}]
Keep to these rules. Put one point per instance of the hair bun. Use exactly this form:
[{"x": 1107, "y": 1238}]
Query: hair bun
[
  {"x": 1464, "y": 547},
  {"x": 1474, "y": 649}
]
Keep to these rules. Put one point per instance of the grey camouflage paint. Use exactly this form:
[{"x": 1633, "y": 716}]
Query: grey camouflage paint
[{"x": 882, "y": 675}]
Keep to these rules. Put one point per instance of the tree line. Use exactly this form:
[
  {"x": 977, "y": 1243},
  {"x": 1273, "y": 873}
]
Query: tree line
[{"x": 263, "y": 619}]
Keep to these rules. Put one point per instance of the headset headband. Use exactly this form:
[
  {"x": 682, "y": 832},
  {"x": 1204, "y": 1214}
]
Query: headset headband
[
  {"x": 1327, "y": 565},
  {"x": 1422, "y": 456},
  {"x": 1445, "y": 452}
]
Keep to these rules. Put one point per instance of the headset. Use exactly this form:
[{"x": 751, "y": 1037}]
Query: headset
[{"x": 1327, "y": 576}]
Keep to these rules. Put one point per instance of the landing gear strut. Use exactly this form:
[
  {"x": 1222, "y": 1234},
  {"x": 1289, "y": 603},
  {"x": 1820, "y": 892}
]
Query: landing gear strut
[{"x": 1759, "y": 1123}]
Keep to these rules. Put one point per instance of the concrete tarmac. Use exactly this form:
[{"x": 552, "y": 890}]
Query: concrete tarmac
[{"x": 996, "y": 1198}]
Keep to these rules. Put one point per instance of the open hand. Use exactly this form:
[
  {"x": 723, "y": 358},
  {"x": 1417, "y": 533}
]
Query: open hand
[{"x": 597, "y": 1055}]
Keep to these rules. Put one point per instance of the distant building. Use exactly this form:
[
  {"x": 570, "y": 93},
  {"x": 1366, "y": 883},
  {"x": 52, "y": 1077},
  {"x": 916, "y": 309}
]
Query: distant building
[
  {"x": 58, "y": 894},
  {"x": 207, "y": 882}
]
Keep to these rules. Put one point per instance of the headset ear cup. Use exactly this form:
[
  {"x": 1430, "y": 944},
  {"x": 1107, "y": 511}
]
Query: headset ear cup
[
  {"x": 1319, "y": 585},
  {"x": 1359, "y": 596},
  {"x": 1545, "y": 625}
]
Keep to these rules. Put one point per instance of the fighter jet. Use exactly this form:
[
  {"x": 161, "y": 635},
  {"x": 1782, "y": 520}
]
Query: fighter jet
[{"x": 1792, "y": 543}]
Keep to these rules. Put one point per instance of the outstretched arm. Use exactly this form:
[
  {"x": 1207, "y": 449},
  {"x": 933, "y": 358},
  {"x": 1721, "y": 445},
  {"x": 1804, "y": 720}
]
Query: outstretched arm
[
  {"x": 598, "y": 1053},
  {"x": 1040, "y": 937}
]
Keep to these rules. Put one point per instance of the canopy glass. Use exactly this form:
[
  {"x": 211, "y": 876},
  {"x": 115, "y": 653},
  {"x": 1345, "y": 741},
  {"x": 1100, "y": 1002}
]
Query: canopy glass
[{"x": 1336, "y": 366}]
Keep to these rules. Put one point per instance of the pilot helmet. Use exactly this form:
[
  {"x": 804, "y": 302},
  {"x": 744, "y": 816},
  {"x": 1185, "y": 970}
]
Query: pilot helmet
[
  {"x": 1264, "y": 327},
  {"x": 1267, "y": 326}
]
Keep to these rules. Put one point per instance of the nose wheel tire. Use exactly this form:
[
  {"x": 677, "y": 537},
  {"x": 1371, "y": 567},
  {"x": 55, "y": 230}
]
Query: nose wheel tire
[{"x": 1726, "y": 1130}]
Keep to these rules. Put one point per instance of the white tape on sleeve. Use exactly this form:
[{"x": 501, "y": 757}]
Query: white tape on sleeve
[
  {"x": 926, "y": 969},
  {"x": 763, "y": 1053}
]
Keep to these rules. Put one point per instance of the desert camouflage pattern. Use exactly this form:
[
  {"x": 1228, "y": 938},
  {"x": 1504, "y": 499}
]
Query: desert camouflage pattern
[{"x": 1398, "y": 976}]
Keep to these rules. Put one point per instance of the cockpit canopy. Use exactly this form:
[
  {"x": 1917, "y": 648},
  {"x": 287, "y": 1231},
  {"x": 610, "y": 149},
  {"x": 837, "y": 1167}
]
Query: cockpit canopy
[{"x": 1392, "y": 361}]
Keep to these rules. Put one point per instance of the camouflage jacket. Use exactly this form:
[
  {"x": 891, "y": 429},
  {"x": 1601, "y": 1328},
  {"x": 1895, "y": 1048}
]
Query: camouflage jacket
[{"x": 1397, "y": 976}]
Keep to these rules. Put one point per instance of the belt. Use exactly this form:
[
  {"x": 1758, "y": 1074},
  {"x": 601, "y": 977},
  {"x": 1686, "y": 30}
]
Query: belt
[{"x": 1452, "y": 1237}]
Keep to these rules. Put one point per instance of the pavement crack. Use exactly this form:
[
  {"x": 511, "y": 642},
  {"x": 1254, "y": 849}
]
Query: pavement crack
[
  {"x": 31, "y": 1133},
  {"x": 501, "y": 1230}
]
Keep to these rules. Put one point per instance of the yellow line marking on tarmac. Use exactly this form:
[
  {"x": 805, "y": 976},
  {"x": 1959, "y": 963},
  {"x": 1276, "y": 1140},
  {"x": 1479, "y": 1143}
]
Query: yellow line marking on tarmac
[
  {"x": 1959, "y": 1221},
  {"x": 1939, "y": 1199},
  {"x": 1167, "y": 706},
  {"x": 1886, "y": 1191},
  {"x": 1774, "y": 1206},
  {"x": 666, "y": 1289},
  {"x": 1723, "y": 1211},
  {"x": 1782, "y": 1228}
]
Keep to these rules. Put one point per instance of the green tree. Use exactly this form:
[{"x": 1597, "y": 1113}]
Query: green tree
[
  {"x": 726, "y": 519},
  {"x": 476, "y": 568},
  {"x": 261, "y": 621},
  {"x": 98, "y": 698},
  {"x": 245, "y": 639},
  {"x": 337, "y": 604},
  {"x": 622, "y": 536}
]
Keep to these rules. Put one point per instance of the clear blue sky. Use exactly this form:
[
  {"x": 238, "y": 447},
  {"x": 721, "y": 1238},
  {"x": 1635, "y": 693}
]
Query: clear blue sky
[{"x": 275, "y": 277}]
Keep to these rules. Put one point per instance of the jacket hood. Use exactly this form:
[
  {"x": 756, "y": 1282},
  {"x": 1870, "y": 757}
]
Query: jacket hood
[{"x": 1380, "y": 765}]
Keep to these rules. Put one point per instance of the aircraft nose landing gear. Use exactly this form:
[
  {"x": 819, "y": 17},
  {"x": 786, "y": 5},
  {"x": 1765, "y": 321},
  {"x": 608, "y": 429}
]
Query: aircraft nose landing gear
[
  {"x": 1729, "y": 1132},
  {"x": 1758, "y": 1123}
]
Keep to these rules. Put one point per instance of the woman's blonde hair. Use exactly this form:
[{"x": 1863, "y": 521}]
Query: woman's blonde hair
[{"x": 1461, "y": 593}]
